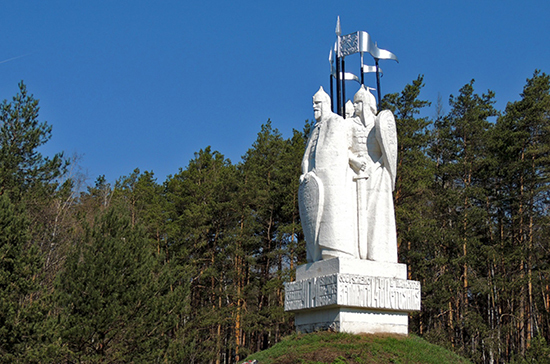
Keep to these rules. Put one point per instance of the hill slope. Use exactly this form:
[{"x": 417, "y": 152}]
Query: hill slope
[{"x": 339, "y": 348}]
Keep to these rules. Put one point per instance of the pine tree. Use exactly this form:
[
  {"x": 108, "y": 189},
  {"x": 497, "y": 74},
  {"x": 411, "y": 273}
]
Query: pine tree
[
  {"x": 145, "y": 200},
  {"x": 28, "y": 183},
  {"x": 413, "y": 194},
  {"x": 522, "y": 143},
  {"x": 270, "y": 169},
  {"x": 414, "y": 168},
  {"x": 22, "y": 313},
  {"x": 201, "y": 233},
  {"x": 461, "y": 155},
  {"x": 27, "y": 177},
  {"x": 107, "y": 295},
  {"x": 22, "y": 168}
]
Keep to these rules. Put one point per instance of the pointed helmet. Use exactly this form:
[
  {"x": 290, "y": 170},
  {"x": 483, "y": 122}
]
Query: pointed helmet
[
  {"x": 322, "y": 96},
  {"x": 364, "y": 95}
]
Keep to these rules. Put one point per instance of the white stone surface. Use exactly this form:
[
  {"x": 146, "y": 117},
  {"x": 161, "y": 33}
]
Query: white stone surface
[
  {"x": 352, "y": 295},
  {"x": 351, "y": 266},
  {"x": 350, "y": 109},
  {"x": 373, "y": 158},
  {"x": 352, "y": 282},
  {"x": 352, "y": 290},
  {"x": 355, "y": 321},
  {"x": 348, "y": 175},
  {"x": 327, "y": 220}
]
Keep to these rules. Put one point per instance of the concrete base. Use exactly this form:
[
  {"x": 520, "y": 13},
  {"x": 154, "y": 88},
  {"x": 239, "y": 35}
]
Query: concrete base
[
  {"x": 351, "y": 266},
  {"x": 352, "y": 320},
  {"x": 351, "y": 295}
]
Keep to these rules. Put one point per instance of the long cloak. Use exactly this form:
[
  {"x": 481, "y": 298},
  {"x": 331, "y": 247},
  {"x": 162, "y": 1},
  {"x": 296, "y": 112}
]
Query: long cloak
[
  {"x": 326, "y": 157},
  {"x": 381, "y": 230}
]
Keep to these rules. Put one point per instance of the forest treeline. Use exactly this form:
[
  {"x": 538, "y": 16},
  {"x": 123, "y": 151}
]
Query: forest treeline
[{"x": 191, "y": 270}]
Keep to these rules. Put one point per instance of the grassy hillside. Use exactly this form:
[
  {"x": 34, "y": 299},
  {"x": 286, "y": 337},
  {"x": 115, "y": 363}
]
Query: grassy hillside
[{"x": 340, "y": 348}]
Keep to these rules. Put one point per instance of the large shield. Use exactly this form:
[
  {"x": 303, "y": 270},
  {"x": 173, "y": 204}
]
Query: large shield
[
  {"x": 310, "y": 201},
  {"x": 386, "y": 133}
]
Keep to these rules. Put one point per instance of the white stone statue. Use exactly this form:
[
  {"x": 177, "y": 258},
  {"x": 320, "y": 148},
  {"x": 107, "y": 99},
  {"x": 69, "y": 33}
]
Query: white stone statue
[
  {"x": 352, "y": 281},
  {"x": 373, "y": 158},
  {"x": 348, "y": 175},
  {"x": 326, "y": 184},
  {"x": 350, "y": 109}
]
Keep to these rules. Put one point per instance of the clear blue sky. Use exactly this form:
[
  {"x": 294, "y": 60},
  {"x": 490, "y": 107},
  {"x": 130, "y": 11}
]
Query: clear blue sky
[{"x": 143, "y": 84}]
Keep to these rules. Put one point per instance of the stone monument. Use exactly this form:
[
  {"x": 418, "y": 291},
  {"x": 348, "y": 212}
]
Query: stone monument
[{"x": 352, "y": 281}]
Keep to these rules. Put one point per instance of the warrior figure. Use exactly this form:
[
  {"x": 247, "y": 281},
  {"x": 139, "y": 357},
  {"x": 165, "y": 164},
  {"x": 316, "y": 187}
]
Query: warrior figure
[
  {"x": 325, "y": 193},
  {"x": 373, "y": 158}
]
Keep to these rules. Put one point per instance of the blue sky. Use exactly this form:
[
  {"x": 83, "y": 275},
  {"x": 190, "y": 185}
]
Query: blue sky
[{"x": 143, "y": 84}]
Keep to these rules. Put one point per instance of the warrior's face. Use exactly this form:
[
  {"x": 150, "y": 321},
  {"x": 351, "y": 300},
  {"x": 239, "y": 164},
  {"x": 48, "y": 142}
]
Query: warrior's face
[
  {"x": 318, "y": 109},
  {"x": 358, "y": 106},
  {"x": 321, "y": 104}
]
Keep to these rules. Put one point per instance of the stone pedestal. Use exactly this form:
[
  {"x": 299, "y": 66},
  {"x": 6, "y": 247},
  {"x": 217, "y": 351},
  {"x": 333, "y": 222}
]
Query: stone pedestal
[{"x": 352, "y": 295}]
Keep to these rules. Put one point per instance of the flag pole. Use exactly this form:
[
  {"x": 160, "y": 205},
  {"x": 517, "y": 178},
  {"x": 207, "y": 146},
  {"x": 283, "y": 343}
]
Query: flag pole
[
  {"x": 330, "y": 79},
  {"x": 378, "y": 82},
  {"x": 362, "y": 71},
  {"x": 338, "y": 56},
  {"x": 343, "y": 114},
  {"x": 337, "y": 84},
  {"x": 331, "y": 92}
]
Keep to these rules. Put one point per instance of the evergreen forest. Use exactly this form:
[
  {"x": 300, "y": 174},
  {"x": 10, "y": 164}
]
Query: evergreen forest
[{"x": 192, "y": 269}]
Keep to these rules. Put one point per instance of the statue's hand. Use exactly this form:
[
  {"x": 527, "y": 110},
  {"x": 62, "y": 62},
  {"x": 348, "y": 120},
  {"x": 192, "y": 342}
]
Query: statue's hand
[
  {"x": 358, "y": 164},
  {"x": 302, "y": 177}
]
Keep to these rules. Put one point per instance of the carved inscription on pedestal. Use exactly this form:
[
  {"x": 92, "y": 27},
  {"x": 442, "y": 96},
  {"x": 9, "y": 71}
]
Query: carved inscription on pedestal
[
  {"x": 376, "y": 292},
  {"x": 311, "y": 293},
  {"x": 353, "y": 291}
]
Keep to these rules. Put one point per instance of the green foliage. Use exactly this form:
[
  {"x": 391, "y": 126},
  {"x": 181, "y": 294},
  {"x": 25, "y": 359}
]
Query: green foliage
[
  {"x": 193, "y": 269},
  {"x": 270, "y": 171},
  {"x": 22, "y": 168},
  {"x": 519, "y": 210},
  {"x": 538, "y": 352},
  {"x": 21, "y": 308},
  {"x": 107, "y": 294},
  {"x": 462, "y": 158},
  {"x": 414, "y": 169},
  {"x": 141, "y": 195}
]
